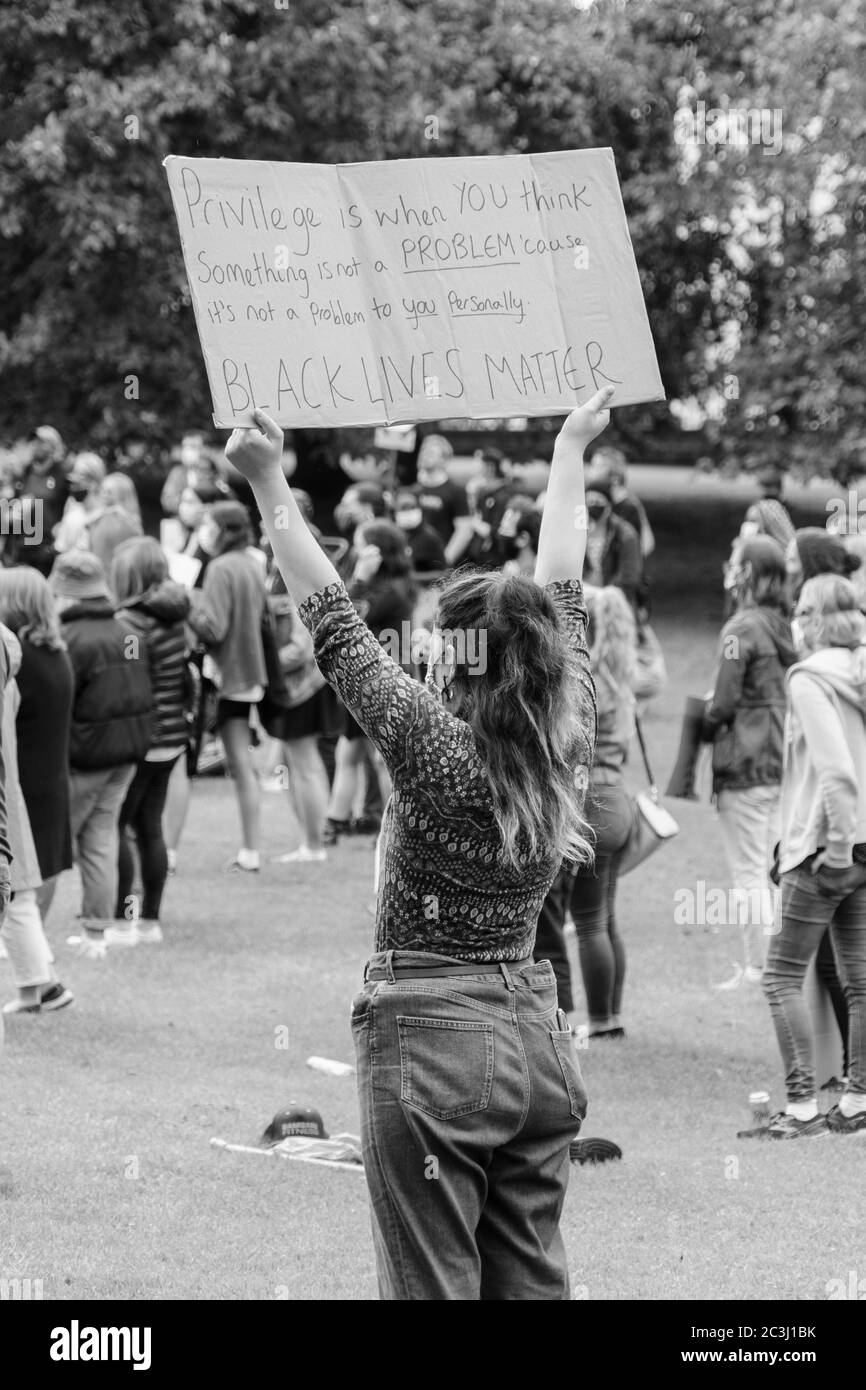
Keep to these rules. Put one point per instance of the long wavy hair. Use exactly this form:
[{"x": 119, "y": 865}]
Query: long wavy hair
[
  {"x": 527, "y": 703},
  {"x": 612, "y": 637},
  {"x": 27, "y": 607}
]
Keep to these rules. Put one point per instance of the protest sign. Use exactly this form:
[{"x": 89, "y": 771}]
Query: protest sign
[{"x": 412, "y": 289}]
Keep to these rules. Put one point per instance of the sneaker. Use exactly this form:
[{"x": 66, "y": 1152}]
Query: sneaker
[
  {"x": 734, "y": 982},
  {"x": 15, "y": 1006},
  {"x": 89, "y": 947},
  {"x": 365, "y": 825},
  {"x": 122, "y": 936},
  {"x": 838, "y": 1123},
  {"x": 56, "y": 996},
  {"x": 333, "y": 830},
  {"x": 149, "y": 933},
  {"x": 236, "y": 867},
  {"x": 593, "y": 1150},
  {"x": 785, "y": 1126},
  {"x": 608, "y": 1034},
  {"x": 274, "y": 784},
  {"x": 302, "y": 855}
]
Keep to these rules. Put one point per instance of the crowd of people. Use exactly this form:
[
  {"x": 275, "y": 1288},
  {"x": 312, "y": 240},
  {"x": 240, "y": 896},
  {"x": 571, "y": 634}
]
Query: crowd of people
[{"x": 133, "y": 663}]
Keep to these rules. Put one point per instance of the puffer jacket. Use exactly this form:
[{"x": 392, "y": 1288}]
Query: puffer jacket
[
  {"x": 159, "y": 615},
  {"x": 745, "y": 718},
  {"x": 112, "y": 710}
]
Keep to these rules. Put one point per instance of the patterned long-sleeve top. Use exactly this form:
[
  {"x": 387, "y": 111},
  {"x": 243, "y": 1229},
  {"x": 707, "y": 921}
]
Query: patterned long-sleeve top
[{"x": 442, "y": 885}]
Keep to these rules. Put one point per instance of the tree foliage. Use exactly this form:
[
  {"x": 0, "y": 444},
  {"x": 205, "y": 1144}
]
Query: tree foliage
[{"x": 752, "y": 263}]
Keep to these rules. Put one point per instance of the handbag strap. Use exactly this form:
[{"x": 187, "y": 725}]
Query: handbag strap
[{"x": 646, "y": 762}]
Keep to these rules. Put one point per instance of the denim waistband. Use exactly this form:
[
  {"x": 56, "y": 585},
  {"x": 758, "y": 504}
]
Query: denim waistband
[{"x": 526, "y": 971}]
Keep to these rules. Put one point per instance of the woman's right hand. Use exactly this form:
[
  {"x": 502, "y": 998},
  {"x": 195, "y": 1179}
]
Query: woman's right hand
[{"x": 257, "y": 454}]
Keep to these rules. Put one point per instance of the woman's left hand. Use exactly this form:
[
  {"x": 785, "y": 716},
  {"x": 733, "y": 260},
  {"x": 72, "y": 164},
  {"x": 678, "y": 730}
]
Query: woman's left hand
[{"x": 257, "y": 454}]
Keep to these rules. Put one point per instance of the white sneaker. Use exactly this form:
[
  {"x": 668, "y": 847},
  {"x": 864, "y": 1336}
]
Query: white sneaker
[
  {"x": 274, "y": 784},
  {"x": 90, "y": 947},
  {"x": 122, "y": 936},
  {"x": 734, "y": 982},
  {"x": 149, "y": 933},
  {"x": 302, "y": 855}
]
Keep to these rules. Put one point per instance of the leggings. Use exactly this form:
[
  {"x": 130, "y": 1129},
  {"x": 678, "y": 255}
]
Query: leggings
[{"x": 141, "y": 815}]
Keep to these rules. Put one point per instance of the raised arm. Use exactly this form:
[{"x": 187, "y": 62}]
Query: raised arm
[
  {"x": 257, "y": 454},
  {"x": 562, "y": 539}
]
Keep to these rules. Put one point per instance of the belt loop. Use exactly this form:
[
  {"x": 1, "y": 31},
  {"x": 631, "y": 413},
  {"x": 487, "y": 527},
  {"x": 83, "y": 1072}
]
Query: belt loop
[
  {"x": 506, "y": 975},
  {"x": 389, "y": 968}
]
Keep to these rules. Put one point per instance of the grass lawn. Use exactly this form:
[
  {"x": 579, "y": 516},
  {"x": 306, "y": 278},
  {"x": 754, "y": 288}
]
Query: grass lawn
[{"x": 106, "y": 1109}]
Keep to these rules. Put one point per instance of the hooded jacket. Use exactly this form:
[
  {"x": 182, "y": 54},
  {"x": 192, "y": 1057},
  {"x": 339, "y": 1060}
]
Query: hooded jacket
[
  {"x": 112, "y": 710},
  {"x": 824, "y": 780},
  {"x": 159, "y": 615},
  {"x": 745, "y": 718}
]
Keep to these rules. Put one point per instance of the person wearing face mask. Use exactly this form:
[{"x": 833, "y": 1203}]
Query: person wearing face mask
[
  {"x": 518, "y": 534},
  {"x": 86, "y": 477},
  {"x": 613, "y": 555},
  {"x": 625, "y": 504},
  {"x": 425, "y": 543},
  {"x": 822, "y": 853},
  {"x": 360, "y": 503},
  {"x": 744, "y": 720}
]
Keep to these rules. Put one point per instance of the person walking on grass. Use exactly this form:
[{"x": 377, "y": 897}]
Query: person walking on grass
[
  {"x": 744, "y": 719},
  {"x": 112, "y": 728},
  {"x": 23, "y": 935},
  {"x": 822, "y": 859},
  {"x": 156, "y": 608},
  {"x": 463, "y": 1054},
  {"x": 613, "y": 653},
  {"x": 227, "y": 614},
  {"x": 45, "y": 685}
]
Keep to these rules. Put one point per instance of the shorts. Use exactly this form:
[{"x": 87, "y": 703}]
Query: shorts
[
  {"x": 320, "y": 716},
  {"x": 235, "y": 709}
]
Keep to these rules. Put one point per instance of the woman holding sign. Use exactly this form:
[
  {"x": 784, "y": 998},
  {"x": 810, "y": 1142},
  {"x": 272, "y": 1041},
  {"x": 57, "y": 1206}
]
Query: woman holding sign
[{"x": 469, "y": 1084}]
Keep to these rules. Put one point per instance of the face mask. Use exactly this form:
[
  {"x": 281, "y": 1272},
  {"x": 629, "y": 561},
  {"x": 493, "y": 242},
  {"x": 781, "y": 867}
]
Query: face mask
[
  {"x": 78, "y": 491},
  {"x": 409, "y": 519},
  {"x": 797, "y": 635},
  {"x": 188, "y": 514},
  {"x": 596, "y": 510},
  {"x": 189, "y": 456}
]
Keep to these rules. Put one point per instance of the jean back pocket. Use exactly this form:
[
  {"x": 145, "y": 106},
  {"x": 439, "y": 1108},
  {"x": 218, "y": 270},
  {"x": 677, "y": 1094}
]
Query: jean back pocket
[
  {"x": 563, "y": 1045},
  {"x": 446, "y": 1065}
]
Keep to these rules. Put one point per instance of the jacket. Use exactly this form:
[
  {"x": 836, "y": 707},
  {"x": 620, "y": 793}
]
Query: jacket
[
  {"x": 25, "y": 872},
  {"x": 621, "y": 561},
  {"x": 227, "y": 615},
  {"x": 823, "y": 798},
  {"x": 159, "y": 615},
  {"x": 112, "y": 710},
  {"x": 745, "y": 717}
]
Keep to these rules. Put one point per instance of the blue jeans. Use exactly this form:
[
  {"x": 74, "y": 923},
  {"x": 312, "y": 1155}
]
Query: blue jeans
[
  {"x": 470, "y": 1094},
  {"x": 811, "y": 904}
]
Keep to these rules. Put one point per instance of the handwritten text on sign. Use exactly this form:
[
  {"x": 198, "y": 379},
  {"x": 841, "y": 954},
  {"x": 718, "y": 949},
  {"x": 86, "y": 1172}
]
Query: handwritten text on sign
[{"x": 412, "y": 289}]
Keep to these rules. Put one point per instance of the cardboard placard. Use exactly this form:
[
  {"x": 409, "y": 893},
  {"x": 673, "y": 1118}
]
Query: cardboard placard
[{"x": 412, "y": 289}]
